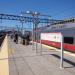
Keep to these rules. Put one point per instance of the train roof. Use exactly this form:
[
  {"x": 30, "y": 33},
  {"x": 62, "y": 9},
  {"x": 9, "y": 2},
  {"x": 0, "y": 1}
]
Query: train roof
[{"x": 65, "y": 21}]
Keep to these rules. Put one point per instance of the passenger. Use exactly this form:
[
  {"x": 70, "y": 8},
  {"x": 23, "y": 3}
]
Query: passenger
[
  {"x": 28, "y": 39},
  {"x": 24, "y": 40},
  {"x": 16, "y": 38}
]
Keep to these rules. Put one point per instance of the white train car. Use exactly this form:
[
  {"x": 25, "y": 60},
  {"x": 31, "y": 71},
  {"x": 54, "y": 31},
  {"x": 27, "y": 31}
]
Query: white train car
[{"x": 67, "y": 28}]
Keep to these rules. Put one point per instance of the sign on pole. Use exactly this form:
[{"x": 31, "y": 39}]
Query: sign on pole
[{"x": 54, "y": 37}]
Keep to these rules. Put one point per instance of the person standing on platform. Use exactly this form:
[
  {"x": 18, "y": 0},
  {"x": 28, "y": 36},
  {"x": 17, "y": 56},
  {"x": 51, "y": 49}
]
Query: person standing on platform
[{"x": 16, "y": 38}]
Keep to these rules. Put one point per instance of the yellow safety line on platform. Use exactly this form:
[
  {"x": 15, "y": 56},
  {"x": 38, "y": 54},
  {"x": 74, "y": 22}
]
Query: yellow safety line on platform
[
  {"x": 11, "y": 51},
  {"x": 66, "y": 52},
  {"x": 50, "y": 47}
]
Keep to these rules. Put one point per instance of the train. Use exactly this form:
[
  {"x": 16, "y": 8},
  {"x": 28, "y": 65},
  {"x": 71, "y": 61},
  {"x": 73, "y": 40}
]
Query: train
[{"x": 66, "y": 28}]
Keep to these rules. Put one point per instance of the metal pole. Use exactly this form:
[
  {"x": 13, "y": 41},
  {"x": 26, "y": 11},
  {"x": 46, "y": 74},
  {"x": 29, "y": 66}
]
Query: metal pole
[
  {"x": 22, "y": 27},
  {"x": 33, "y": 34},
  {"x": 61, "y": 58},
  {"x": 33, "y": 37},
  {"x": 22, "y": 32},
  {"x": 36, "y": 37},
  {"x": 36, "y": 25},
  {"x": 41, "y": 46}
]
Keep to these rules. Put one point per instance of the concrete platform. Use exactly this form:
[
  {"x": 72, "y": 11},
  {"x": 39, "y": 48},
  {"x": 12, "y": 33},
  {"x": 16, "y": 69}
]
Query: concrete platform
[{"x": 25, "y": 61}]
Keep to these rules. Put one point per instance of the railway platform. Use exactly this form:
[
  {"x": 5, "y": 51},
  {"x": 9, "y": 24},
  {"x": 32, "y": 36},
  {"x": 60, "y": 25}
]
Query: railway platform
[{"x": 25, "y": 61}]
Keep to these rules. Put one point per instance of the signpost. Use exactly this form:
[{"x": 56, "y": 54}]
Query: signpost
[
  {"x": 61, "y": 61},
  {"x": 55, "y": 37}
]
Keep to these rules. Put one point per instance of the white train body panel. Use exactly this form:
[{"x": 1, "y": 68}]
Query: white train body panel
[{"x": 51, "y": 35}]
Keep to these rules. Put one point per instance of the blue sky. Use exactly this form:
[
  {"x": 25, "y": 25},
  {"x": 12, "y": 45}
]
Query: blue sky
[{"x": 57, "y": 9}]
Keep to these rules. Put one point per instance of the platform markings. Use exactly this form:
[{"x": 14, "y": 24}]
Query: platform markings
[{"x": 53, "y": 48}]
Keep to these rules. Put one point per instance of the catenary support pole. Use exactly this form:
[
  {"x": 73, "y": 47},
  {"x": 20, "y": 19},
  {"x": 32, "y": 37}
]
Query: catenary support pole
[{"x": 33, "y": 36}]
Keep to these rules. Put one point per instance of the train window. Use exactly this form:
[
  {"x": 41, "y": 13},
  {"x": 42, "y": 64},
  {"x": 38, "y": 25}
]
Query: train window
[{"x": 69, "y": 40}]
